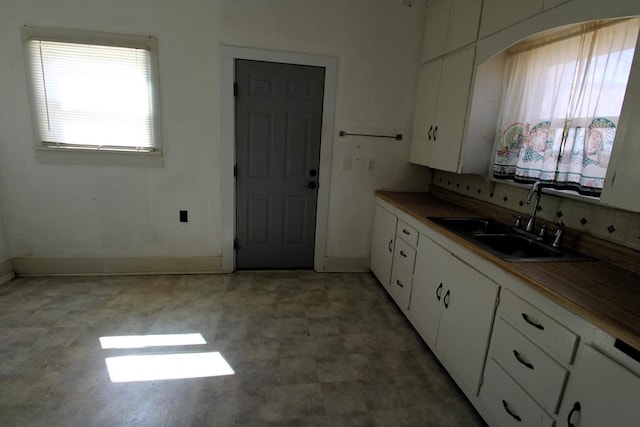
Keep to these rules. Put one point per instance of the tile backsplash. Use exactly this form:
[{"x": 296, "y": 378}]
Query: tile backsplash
[{"x": 615, "y": 225}]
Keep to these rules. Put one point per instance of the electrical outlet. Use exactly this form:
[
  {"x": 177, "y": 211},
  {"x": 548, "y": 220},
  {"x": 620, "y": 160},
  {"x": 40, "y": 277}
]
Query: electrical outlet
[{"x": 184, "y": 216}]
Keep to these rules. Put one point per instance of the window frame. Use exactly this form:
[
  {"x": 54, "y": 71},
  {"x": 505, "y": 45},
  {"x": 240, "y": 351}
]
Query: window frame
[
  {"x": 550, "y": 36},
  {"x": 49, "y": 153}
]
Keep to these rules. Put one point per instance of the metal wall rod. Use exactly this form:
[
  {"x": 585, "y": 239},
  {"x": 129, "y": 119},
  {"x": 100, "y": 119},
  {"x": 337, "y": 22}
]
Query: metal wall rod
[{"x": 397, "y": 136}]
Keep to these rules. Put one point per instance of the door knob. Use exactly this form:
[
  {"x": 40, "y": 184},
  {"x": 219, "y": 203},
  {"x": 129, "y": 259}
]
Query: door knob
[{"x": 311, "y": 185}]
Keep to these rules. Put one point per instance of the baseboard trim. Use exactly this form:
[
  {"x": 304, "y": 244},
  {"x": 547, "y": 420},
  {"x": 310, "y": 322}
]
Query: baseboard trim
[
  {"x": 6, "y": 271},
  {"x": 345, "y": 264},
  {"x": 45, "y": 266}
]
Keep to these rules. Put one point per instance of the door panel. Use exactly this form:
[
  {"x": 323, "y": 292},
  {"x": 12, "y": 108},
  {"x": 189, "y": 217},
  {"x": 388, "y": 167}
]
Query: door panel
[{"x": 278, "y": 132}]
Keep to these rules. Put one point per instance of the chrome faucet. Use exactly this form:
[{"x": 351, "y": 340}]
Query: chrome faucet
[{"x": 537, "y": 189}]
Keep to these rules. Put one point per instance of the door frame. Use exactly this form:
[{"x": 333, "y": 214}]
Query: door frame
[{"x": 228, "y": 143}]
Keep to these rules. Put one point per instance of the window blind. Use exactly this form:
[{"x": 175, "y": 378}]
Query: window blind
[{"x": 92, "y": 96}]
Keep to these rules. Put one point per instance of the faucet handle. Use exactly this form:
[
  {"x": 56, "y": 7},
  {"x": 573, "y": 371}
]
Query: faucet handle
[
  {"x": 557, "y": 237},
  {"x": 518, "y": 222},
  {"x": 542, "y": 233}
]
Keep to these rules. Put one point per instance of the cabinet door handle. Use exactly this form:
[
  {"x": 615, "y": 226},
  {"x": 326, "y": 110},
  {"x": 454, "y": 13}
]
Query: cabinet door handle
[
  {"x": 435, "y": 133},
  {"x": 404, "y": 230},
  {"x": 439, "y": 292},
  {"x": 399, "y": 283},
  {"x": 532, "y": 323},
  {"x": 429, "y": 133},
  {"x": 521, "y": 360},
  {"x": 390, "y": 245},
  {"x": 576, "y": 408},
  {"x": 446, "y": 298},
  {"x": 506, "y": 408},
  {"x": 403, "y": 254}
]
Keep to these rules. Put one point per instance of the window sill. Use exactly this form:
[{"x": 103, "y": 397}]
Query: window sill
[
  {"x": 558, "y": 193},
  {"x": 70, "y": 156}
]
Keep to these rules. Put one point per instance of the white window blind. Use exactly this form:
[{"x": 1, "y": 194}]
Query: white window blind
[{"x": 91, "y": 96}]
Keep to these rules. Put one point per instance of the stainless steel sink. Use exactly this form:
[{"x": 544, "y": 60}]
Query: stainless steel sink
[{"x": 508, "y": 243}]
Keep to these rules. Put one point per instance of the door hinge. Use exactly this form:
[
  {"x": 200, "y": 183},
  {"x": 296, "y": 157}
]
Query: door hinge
[
  {"x": 235, "y": 244},
  {"x": 497, "y": 301},
  {"x": 235, "y": 89},
  {"x": 235, "y": 170}
]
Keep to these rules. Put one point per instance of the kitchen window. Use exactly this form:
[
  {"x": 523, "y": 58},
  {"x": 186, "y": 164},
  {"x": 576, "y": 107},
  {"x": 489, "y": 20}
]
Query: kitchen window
[
  {"x": 561, "y": 101},
  {"x": 93, "y": 91}
]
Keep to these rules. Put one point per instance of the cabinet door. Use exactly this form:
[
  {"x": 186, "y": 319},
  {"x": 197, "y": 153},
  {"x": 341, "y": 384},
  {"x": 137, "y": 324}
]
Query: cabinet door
[
  {"x": 606, "y": 392},
  {"x": 427, "y": 289},
  {"x": 382, "y": 243},
  {"x": 623, "y": 175},
  {"x": 435, "y": 30},
  {"x": 468, "y": 308},
  {"x": 453, "y": 99},
  {"x": 424, "y": 118},
  {"x": 463, "y": 23},
  {"x": 499, "y": 14}
]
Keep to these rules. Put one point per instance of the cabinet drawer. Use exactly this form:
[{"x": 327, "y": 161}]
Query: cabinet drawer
[
  {"x": 404, "y": 255},
  {"x": 407, "y": 233},
  {"x": 508, "y": 404},
  {"x": 400, "y": 286},
  {"x": 538, "y": 327},
  {"x": 540, "y": 375}
]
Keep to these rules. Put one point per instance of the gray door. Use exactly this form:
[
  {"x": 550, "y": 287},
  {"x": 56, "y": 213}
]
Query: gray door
[{"x": 278, "y": 129}]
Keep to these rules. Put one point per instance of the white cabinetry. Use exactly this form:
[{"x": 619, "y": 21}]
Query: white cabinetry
[
  {"x": 382, "y": 244},
  {"x": 452, "y": 307},
  {"x": 450, "y": 25},
  {"x": 528, "y": 364},
  {"x": 404, "y": 258},
  {"x": 623, "y": 175},
  {"x": 600, "y": 392},
  {"x": 499, "y": 14},
  {"x": 441, "y": 110}
]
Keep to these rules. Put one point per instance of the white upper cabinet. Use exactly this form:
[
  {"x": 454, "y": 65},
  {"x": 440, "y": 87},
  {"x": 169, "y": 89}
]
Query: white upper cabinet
[
  {"x": 499, "y": 14},
  {"x": 441, "y": 110},
  {"x": 623, "y": 174},
  {"x": 548, "y": 4},
  {"x": 450, "y": 25}
]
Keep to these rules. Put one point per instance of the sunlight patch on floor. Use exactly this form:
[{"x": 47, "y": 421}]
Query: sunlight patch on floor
[
  {"x": 142, "y": 341},
  {"x": 167, "y": 366}
]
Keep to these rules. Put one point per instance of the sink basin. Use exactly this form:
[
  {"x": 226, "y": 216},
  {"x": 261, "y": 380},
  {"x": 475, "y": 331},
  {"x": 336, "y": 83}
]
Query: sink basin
[
  {"x": 471, "y": 225},
  {"x": 508, "y": 243}
]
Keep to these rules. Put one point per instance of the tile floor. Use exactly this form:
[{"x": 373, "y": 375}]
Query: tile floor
[{"x": 307, "y": 349}]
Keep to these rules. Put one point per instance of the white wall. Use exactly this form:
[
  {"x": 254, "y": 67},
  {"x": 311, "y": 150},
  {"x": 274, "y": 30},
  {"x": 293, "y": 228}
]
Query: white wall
[
  {"x": 100, "y": 211},
  {"x": 378, "y": 44},
  {"x": 55, "y": 210}
]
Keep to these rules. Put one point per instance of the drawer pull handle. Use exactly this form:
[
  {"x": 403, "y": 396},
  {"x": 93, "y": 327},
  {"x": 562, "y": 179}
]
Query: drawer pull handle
[
  {"x": 429, "y": 132},
  {"x": 390, "y": 245},
  {"x": 399, "y": 283},
  {"x": 403, "y": 254},
  {"x": 506, "y": 408},
  {"x": 532, "y": 323},
  {"x": 446, "y": 298},
  {"x": 439, "y": 292},
  {"x": 576, "y": 408},
  {"x": 406, "y": 232},
  {"x": 524, "y": 362}
]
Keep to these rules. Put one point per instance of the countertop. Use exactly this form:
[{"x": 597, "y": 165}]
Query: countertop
[{"x": 599, "y": 291}]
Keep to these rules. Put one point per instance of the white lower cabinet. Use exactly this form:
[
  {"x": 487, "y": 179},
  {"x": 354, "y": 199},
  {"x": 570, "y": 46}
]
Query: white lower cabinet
[
  {"x": 508, "y": 404},
  {"x": 383, "y": 243},
  {"x": 452, "y": 307},
  {"x": 600, "y": 392}
]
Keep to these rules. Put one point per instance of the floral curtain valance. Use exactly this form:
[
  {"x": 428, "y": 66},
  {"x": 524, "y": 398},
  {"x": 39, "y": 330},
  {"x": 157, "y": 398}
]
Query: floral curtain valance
[{"x": 560, "y": 107}]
